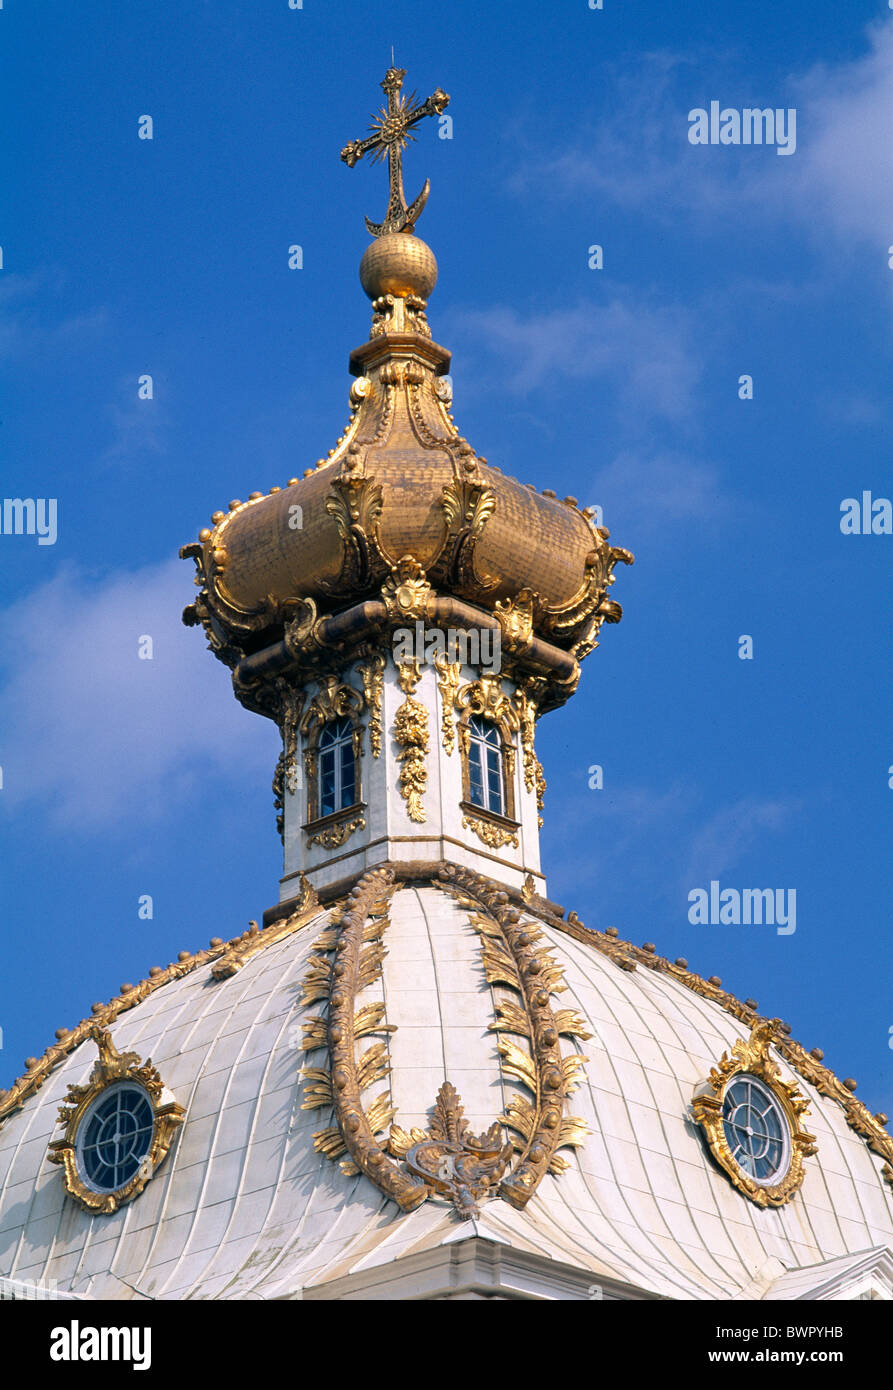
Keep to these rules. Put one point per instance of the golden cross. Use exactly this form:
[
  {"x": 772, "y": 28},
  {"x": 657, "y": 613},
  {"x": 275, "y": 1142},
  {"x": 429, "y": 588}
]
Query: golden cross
[{"x": 390, "y": 135}]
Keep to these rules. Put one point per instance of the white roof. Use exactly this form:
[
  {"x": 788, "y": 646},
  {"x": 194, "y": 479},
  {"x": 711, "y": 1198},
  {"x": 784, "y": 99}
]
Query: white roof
[{"x": 244, "y": 1208}]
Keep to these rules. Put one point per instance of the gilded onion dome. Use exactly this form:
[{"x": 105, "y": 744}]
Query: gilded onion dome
[{"x": 403, "y": 496}]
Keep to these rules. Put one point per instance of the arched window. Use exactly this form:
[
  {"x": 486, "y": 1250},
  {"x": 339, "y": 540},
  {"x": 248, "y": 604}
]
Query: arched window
[
  {"x": 485, "y": 784},
  {"x": 337, "y": 767}
]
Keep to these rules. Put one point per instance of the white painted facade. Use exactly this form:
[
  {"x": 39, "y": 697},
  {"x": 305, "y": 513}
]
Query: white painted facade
[{"x": 389, "y": 833}]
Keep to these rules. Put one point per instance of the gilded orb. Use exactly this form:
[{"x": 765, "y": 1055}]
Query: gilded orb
[{"x": 398, "y": 264}]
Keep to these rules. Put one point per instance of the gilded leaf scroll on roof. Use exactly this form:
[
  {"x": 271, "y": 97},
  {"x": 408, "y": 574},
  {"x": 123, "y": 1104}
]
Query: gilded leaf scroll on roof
[{"x": 445, "y": 1160}]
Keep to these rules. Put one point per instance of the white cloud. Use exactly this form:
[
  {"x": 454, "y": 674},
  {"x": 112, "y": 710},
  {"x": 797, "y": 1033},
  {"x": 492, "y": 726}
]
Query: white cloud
[
  {"x": 838, "y": 183},
  {"x": 29, "y": 327},
  {"x": 731, "y": 834},
  {"x": 845, "y": 178},
  {"x": 652, "y": 491},
  {"x": 92, "y": 734},
  {"x": 647, "y": 350},
  {"x": 138, "y": 426}
]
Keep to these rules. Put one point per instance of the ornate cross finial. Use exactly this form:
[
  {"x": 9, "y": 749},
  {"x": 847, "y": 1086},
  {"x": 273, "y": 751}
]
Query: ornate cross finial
[{"x": 391, "y": 134}]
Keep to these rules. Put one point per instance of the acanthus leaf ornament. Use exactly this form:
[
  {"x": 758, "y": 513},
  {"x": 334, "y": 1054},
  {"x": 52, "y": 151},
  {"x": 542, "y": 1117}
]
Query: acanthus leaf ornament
[
  {"x": 449, "y": 1159},
  {"x": 355, "y": 503},
  {"x": 406, "y": 591},
  {"x": 526, "y": 707},
  {"x": 448, "y": 673},
  {"x": 371, "y": 673},
  {"x": 467, "y": 505},
  {"x": 301, "y": 632},
  {"x": 411, "y": 732},
  {"x": 516, "y": 619},
  {"x": 540, "y": 790},
  {"x": 356, "y": 943},
  {"x": 489, "y": 832},
  {"x": 512, "y": 959},
  {"x": 335, "y": 835}
]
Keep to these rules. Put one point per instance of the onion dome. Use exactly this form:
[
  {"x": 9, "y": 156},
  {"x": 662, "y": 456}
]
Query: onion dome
[{"x": 403, "y": 497}]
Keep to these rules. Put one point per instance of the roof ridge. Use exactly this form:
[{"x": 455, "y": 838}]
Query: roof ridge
[
  {"x": 808, "y": 1064},
  {"x": 231, "y": 956}
]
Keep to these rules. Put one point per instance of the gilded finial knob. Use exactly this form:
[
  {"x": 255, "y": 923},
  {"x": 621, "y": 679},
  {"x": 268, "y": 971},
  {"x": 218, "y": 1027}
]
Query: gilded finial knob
[{"x": 398, "y": 264}]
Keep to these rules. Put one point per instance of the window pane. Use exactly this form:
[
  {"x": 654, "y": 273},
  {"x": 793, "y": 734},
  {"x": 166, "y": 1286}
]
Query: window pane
[
  {"x": 494, "y": 780},
  {"x": 475, "y": 774},
  {"x": 327, "y": 782},
  {"x": 347, "y": 773}
]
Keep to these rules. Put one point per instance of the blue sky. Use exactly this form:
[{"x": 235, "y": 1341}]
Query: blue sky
[{"x": 620, "y": 386}]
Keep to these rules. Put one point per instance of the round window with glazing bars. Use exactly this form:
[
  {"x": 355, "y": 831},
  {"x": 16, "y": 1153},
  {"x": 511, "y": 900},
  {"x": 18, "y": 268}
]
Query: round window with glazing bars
[
  {"x": 756, "y": 1129},
  {"x": 115, "y": 1137}
]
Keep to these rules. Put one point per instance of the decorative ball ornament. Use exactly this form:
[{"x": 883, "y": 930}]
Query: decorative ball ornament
[{"x": 398, "y": 264}]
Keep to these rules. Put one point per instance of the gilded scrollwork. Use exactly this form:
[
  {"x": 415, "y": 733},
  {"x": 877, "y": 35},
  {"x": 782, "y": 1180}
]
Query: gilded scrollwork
[
  {"x": 512, "y": 959},
  {"x": 526, "y": 708},
  {"x": 333, "y": 836},
  {"x": 467, "y": 506},
  {"x": 371, "y": 673},
  {"x": 406, "y": 591},
  {"x": 540, "y": 791},
  {"x": 448, "y": 673},
  {"x": 355, "y": 503},
  {"x": 450, "y": 1160},
  {"x": 485, "y": 697},
  {"x": 302, "y": 631},
  {"x": 333, "y": 700},
  {"x": 245, "y": 947},
  {"x": 411, "y": 733},
  {"x": 515, "y": 617},
  {"x": 493, "y": 835},
  {"x": 578, "y": 621}
]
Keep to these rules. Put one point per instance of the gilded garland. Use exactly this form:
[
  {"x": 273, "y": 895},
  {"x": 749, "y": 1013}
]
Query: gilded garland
[
  {"x": 445, "y": 1159},
  {"x": 411, "y": 732}
]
